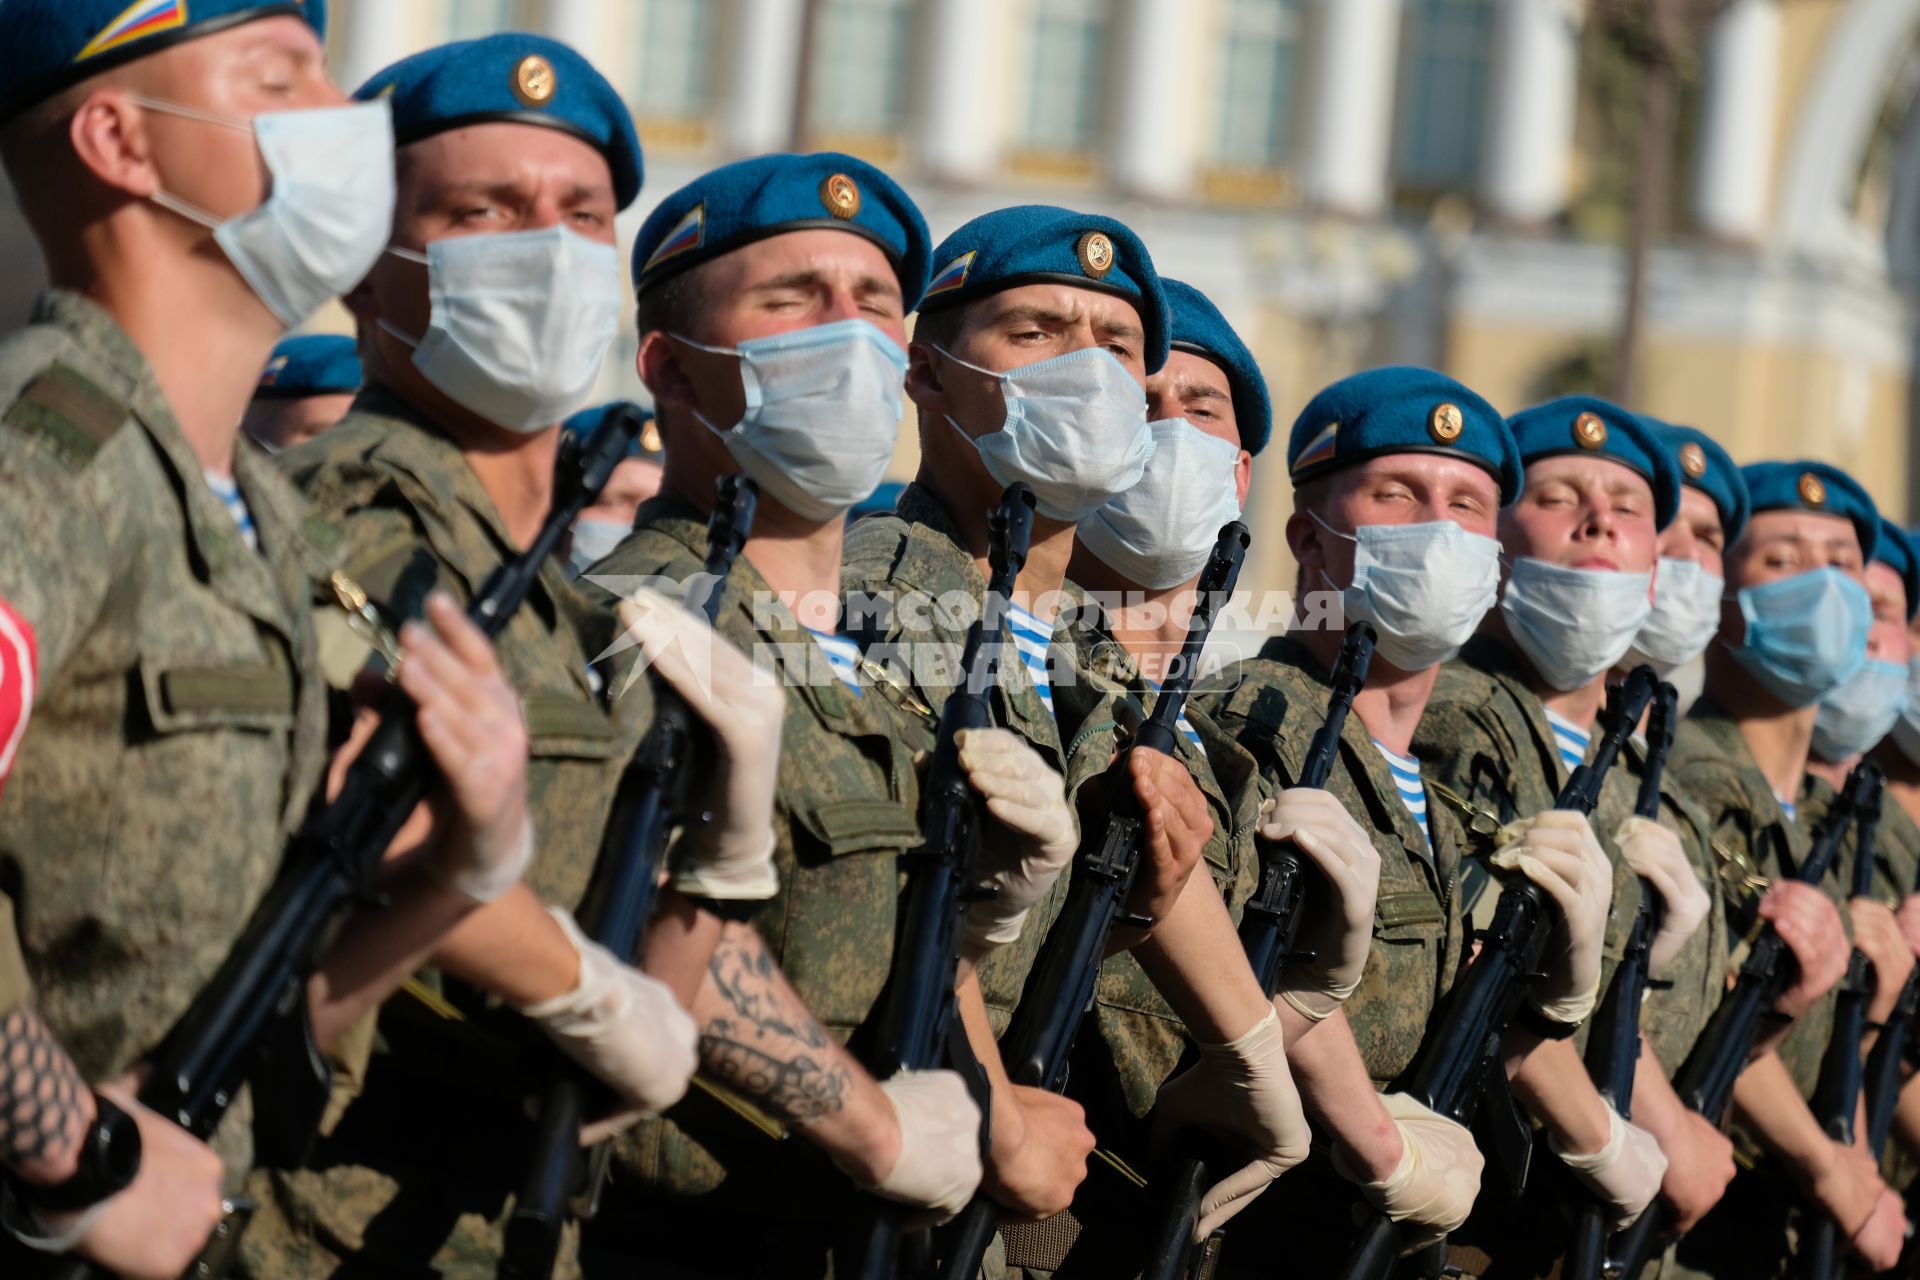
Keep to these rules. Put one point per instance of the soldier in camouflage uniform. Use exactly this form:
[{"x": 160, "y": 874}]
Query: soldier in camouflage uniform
[
  {"x": 154, "y": 588},
  {"x": 1810, "y": 534}
]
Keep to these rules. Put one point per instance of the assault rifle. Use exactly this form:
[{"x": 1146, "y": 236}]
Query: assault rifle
[
  {"x": 1883, "y": 1064},
  {"x": 1268, "y": 925},
  {"x": 1460, "y": 1062},
  {"x": 1613, "y": 1045},
  {"x": 1836, "y": 1096},
  {"x": 918, "y": 1026},
  {"x": 1720, "y": 1053},
  {"x": 1040, "y": 1037},
  {"x": 251, "y": 1023},
  {"x": 619, "y": 903}
]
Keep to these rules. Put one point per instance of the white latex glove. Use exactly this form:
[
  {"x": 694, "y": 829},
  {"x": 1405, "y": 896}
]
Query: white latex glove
[
  {"x": 1656, "y": 855},
  {"x": 1241, "y": 1091},
  {"x": 1338, "y": 931},
  {"x": 621, "y": 1026},
  {"x": 939, "y": 1165},
  {"x": 1029, "y": 801},
  {"x": 727, "y": 852},
  {"x": 1625, "y": 1174},
  {"x": 1431, "y": 1191},
  {"x": 1556, "y": 850}
]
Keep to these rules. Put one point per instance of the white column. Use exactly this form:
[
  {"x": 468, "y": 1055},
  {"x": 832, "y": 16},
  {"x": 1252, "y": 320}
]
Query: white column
[
  {"x": 956, "y": 128},
  {"x": 764, "y": 69},
  {"x": 1355, "y": 44},
  {"x": 578, "y": 24},
  {"x": 1530, "y": 109},
  {"x": 376, "y": 34},
  {"x": 1151, "y": 151},
  {"x": 1733, "y": 175}
]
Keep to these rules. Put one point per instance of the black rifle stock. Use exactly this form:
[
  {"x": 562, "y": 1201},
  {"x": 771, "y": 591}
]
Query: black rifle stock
[
  {"x": 1720, "y": 1053},
  {"x": 1613, "y": 1045},
  {"x": 618, "y": 904},
  {"x": 1460, "y": 1063},
  {"x": 1836, "y": 1095},
  {"x": 1040, "y": 1037},
  {"x": 250, "y": 1023},
  {"x": 1268, "y": 925},
  {"x": 918, "y": 1027}
]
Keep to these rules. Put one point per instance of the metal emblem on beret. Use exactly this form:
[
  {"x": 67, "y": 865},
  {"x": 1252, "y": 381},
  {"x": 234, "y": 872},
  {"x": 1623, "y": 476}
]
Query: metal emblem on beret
[
  {"x": 1095, "y": 251},
  {"x": 1588, "y": 431},
  {"x": 841, "y": 195},
  {"x": 1693, "y": 459},
  {"x": 1812, "y": 491},
  {"x": 534, "y": 81},
  {"x": 1446, "y": 422}
]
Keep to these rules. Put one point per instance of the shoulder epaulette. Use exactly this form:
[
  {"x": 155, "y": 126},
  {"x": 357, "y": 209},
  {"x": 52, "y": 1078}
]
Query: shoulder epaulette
[{"x": 69, "y": 411}]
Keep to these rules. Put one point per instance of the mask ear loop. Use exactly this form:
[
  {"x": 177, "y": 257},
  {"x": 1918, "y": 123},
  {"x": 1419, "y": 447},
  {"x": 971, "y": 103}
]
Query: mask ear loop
[{"x": 723, "y": 435}]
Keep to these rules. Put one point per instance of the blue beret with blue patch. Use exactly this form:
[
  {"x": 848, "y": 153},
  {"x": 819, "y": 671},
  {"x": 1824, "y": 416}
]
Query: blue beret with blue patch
[
  {"x": 511, "y": 78},
  {"x": 1587, "y": 426},
  {"x": 1200, "y": 329},
  {"x": 587, "y": 423},
  {"x": 1402, "y": 409},
  {"x": 1896, "y": 550},
  {"x": 1815, "y": 487},
  {"x": 1040, "y": 243},
  {"x": 1705, "y": 466},
  {"x": 751, "y": 200},
  {"x": 311, "y": 364},
  {"x": 54, "y": 44}
]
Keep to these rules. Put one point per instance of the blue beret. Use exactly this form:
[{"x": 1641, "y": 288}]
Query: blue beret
[
  {"x": 1200, "y": 329},
  {"x": 585, "y": 424},
  {"x": 1897, "y": 552},
  {"x": 1589, "y": 426},
  {"x": 1031, "y": 243},
  {"x": 1816, "y": 487},
  {"x": 511, "y": 78},
  {"x": 1705, "y": 466},
  {"x": 53, "y": 44},
  {"x": 1402, "y": 409},
  {"x": 880, "y": 502},
  {"x": 310, "y": 364},
  {"x": 750, "y": 200}
]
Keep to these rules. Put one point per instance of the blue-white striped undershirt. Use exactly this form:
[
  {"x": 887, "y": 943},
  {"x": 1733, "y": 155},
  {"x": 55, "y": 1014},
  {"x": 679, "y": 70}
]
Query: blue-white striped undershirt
[
  {"x": 1570, "y": 738},
  {"x": 227, "y": 489},
  {"x": 843, "y": 655},
  {"x": 1406, "y": 780},
  {"x": 1032, "y": 638},
  {"x": 1790, "y": 808}
]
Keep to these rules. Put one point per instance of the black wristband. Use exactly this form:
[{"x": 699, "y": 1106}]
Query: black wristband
[
  {"x": 1531, "y": 1019},
  {"x": 109, "y": 1159}
]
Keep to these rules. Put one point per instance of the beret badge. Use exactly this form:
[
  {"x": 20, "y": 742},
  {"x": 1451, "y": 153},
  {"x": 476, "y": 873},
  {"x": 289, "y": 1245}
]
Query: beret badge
[
  {"x": 1812, "y": 491},
  {"x": 841, "y": 196},
  {"x": 534, "y": 81},
  {"x": 1693, "y": 459},
  {"x": 1096, "y": 254},
  {"x": 1446, "y": 422},
  {"x": 1589, "y": 432}
]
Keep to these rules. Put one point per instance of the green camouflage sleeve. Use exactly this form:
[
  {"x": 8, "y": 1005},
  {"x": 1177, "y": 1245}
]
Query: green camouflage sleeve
[
  {"x": 14, "y": 985},
  {"x": 54, "y": 551}
]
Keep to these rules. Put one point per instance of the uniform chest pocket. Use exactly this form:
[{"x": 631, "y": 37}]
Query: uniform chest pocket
[
  {"x": 1407, "y": 916},
  {"x": 566, "y": 728},
  {"x": 842, "y": 827},
  {"x": 184, "y": 696}
]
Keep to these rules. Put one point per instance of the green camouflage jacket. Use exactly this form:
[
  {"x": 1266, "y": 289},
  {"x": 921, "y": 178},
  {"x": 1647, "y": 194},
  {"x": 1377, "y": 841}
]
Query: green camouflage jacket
[
  {"x": 847, "y": 807},
  {"x": 1262, "y": 721},
  {"x": 913, "y": 588},
  {"x": 179, "y": 727}
]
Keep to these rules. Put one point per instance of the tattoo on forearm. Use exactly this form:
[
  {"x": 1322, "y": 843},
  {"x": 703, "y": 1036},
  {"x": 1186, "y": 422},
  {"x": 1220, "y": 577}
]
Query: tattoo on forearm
[
  {"x": 769, "y": 1046},
  {"x": 40, "y": 1091}
]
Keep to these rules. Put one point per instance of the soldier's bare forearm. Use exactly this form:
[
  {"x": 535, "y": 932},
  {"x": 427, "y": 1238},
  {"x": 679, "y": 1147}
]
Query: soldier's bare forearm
[
  {"x": 680, "y": 945},
  {"x": 1195, "y": 960},
  {"x": 1337, "y": 1092},
  {"x": 1550, "y": 1081},
  {"x": 45, "y": 1107},
  {"x": 379, "y": 948},
  {"x": 512, "y": 948}
]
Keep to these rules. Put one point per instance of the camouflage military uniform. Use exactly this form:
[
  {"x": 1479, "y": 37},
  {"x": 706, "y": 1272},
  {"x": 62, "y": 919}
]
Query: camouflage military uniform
[
  {"x": 408, "y": 1176},
  {"x": 1258, "y": 726},
  {"x": 1749, "y": 1232},
  {"x": 15, "y": 988},
  {"x": 846, "y": 808}
]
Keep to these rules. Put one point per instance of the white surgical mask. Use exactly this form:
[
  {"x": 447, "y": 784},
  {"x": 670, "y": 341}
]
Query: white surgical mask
[
  {"x": 330, "y": 211},
  {"x": 1160, "y": 532},
  {"x": 1424, "y": 587},
  {"x": 594, "y": 541},
  {"x": 1854, "y": 717},
  {"x": 521, "y": 321},
  {"x": 1075, "y": 431},
  {"x": 1906, "y": 729},
  {"x": 823, "y": 409},
  {"x": 1573, "y": 623},
  {"x": 1685, "y": 617}
]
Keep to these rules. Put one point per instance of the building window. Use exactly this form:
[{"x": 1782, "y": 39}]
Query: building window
[
  {"x": 1258, "y": 56},
  {"x": 471, "y": 19},
  {"x": 862, "y": 53},
  {"x": 1442, "y": 109},
  {"x": 674, "y": 75},
  {"x": 1065, "y": 75}
]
